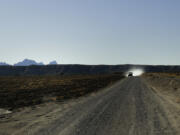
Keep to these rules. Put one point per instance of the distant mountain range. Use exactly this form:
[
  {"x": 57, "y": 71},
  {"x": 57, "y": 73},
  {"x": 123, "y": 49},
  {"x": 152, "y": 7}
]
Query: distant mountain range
[
  {"x": 3, "y": 64},
  {"x": 53, "y": 63},
  {"x": 28, "y": 62}
]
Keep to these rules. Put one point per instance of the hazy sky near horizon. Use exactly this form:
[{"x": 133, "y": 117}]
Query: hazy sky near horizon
[{"x": 90, "y": 31}]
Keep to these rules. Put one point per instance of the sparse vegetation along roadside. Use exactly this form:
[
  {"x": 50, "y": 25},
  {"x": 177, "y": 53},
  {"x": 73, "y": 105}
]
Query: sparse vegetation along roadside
[
  {"x": 163, "y": 74},
  {"x": 22, "y": 91},
  {"x": 166, "y": 83}
]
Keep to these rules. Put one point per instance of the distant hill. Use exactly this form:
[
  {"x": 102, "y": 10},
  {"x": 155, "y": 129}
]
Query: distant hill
[
  {"x": 53, "y": 63},
  {"x": 79, "y": 69},
  {"x": 3, "y": 64},
  {"x": 28, "y": 62}
]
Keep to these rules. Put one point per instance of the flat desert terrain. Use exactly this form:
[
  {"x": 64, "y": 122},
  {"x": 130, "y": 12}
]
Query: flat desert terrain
[{"x": 145, "y": 105}]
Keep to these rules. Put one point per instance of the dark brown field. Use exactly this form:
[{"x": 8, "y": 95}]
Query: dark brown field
[{"x": 17, "y": 92}]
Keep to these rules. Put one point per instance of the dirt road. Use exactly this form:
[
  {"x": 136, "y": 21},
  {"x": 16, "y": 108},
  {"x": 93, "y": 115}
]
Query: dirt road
[{"x": 130, "y": 107}]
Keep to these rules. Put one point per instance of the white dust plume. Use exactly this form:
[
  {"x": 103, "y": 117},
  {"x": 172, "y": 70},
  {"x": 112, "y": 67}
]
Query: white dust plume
[{"x": 135, "y": 71}]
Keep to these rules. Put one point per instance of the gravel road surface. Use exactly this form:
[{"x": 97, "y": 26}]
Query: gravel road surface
[{"x": 129, "y": 107}]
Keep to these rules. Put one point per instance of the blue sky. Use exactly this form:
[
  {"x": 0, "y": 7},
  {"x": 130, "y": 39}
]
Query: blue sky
[{"x": 90, "y": 31}]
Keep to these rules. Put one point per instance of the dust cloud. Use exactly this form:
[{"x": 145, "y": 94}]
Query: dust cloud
[{"x": 135, "y": 71}]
